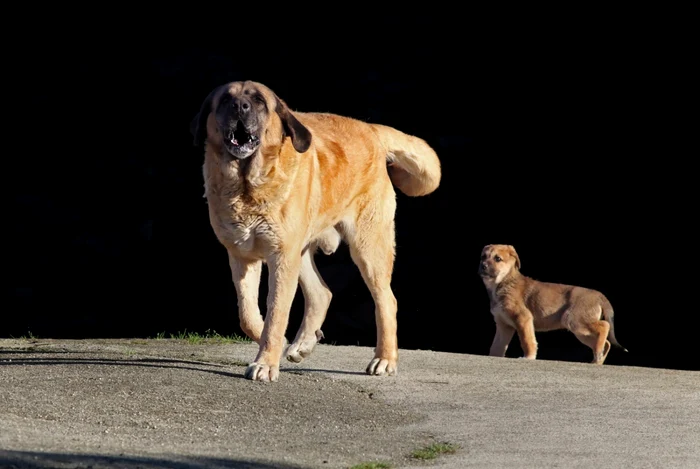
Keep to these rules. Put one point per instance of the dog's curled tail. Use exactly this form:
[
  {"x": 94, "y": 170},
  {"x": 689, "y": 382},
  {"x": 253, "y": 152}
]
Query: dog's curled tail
[
  {"x": 609, "y": 315},
  {"x": 413, "y": 165}
]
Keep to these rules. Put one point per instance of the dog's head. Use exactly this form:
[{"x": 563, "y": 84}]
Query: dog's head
[
  {"x": 241, "y": 117},
  {"x": 497, "y": 261}
]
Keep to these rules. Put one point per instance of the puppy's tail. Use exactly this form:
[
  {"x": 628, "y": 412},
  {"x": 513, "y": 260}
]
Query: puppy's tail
[
  {"x": 413, "y": 165},
  {"x": 609, "y": 314}
]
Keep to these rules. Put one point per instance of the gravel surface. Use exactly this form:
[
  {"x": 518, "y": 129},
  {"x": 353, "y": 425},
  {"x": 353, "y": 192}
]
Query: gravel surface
[{"x": 166, "y": 403}]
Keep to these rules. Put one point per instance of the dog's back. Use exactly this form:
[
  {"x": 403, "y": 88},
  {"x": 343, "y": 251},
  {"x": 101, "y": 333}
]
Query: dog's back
[{"x": 413, "y": 166}]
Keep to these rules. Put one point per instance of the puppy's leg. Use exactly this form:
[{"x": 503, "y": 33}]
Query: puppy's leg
[
  {"x": 317, "y": 298},
  {"x": 246, "y": 279},
  {"x": 526, "y": 334},
  {"x": 504, "y": 334},
  {"x": 594, "y": 335},
  {"x": 372, "y": 250},
  {"x": 283, "y": 280}
]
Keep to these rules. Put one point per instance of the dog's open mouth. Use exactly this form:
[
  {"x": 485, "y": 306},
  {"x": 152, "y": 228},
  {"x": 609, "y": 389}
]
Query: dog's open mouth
[{"x": 240, "y": 142}]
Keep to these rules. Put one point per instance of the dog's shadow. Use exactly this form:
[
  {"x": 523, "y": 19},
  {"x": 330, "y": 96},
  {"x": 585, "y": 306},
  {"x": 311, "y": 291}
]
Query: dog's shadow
[
  {"x": 298, "y": 371},
  {"x": 168, "y": 363}
]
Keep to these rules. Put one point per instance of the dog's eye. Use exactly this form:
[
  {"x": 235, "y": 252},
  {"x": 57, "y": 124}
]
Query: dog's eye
[
  {"x": 497, "y": 259},
  {"x": 259, "y": 99}
]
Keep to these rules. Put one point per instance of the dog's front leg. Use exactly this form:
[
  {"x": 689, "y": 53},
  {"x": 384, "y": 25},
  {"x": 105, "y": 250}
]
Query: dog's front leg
[
  {"x": 501, "y": 339},
  {"x": 525, "y": 326},
  {"x": 246, "y": 278},
  {"x": 282, "y": 284}
]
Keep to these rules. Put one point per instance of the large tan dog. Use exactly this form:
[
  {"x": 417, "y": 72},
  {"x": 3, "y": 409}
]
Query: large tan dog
[
  {"x": 524, "y": 305},
  {"x": 279, "y": 185}
]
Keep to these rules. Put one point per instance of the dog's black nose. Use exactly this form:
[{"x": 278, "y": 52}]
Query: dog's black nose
[{"x": 241, "y": 106}]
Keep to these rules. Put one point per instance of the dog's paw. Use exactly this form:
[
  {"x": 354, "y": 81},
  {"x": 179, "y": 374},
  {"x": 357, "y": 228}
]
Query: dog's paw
[
  {"x": 599, "y": 358},
  {"x": 382, "y": 366},
  {"x": 527, "y": 357},
  {"x": 302, "y": 347},
  {"x": 262, "y": 372}
]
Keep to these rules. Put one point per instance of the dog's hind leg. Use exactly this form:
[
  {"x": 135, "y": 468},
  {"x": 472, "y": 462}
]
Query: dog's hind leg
[
  {"x": 246, "y": 279},
  {"x": 372, "y": 249},
  {"x": 317, "y": 299},
  {"x": 594, "y": 335}
]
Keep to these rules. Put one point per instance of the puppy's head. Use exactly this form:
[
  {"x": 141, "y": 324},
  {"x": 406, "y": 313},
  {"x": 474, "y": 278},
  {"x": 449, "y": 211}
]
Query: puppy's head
[
  {"x": 497, "y": 261},
  {"x": 240, "y": 117}
]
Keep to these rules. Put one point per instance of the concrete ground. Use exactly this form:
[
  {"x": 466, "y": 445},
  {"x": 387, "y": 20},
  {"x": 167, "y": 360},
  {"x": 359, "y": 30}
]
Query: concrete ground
[{"x": 171, "y": 404}]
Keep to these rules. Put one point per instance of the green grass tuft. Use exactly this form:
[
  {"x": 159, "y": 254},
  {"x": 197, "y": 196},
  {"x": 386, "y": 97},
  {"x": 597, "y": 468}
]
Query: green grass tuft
[
  {"x": 372, "y": 465},
  {"x": 29, "y": 336},
  {"x": 434, "y": 450},
  {"x": 208, "y": 337}
]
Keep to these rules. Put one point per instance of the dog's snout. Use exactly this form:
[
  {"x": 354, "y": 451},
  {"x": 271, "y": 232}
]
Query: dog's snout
[{"x": 241, "y": 106}]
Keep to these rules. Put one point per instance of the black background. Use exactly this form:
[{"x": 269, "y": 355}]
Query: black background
[{"x": 556, "y": 137}]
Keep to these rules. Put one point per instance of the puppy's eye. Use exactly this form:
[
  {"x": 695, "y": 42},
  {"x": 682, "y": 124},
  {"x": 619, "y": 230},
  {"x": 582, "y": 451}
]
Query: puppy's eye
[
  {"x": 259, "y": 99},
  {"x": 497, "y": 258}
]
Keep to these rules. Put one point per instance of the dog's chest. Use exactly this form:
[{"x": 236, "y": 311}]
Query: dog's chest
[
  {"x": 501, "y": 314},
  {"x": 248, "y": 234},
  {"x": 238, "y": 226},
  {"x": 500, "y": 309}
]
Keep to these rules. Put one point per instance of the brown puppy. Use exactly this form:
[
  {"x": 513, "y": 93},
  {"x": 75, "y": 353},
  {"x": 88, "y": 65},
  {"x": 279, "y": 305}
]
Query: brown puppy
[
  {"x": 279, "y": 185},
  {"x": 525, "y": 305}
]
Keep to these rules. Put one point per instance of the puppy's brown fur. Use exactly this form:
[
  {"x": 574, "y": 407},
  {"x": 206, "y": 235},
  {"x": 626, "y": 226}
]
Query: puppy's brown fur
[
  {"x": 524, "y": 305},
  {"x": 279, "y": 185}
]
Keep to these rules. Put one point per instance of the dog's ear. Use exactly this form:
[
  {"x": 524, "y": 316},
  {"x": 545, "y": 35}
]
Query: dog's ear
[
  {"x": 198, "y": 125},
  {"x": 301, "y": 137},
  {"x": 514, "y": 253}
]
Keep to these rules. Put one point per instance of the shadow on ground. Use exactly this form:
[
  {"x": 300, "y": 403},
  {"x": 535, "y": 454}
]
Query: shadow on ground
[
  {"x": 37, "y": 460},
  {"x": 143, "y": 362}
]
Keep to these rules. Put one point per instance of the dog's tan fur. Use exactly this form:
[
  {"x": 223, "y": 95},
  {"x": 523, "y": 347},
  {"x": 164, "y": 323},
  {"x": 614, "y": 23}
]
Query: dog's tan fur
[
  {"x": 315, "y": 179},
  {"x": 524, "y": 305}
]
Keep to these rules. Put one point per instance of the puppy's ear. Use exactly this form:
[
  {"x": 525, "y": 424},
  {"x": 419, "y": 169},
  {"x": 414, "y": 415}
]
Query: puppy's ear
[
  {"x": 514, "y": 253},
  {"x": 198, "y": 124},
  {"x": 301, "y": 137}
]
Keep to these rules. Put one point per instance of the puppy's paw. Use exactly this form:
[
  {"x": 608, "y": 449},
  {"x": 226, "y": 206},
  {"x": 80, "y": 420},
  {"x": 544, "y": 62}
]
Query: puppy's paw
[
  {"x": 262, "y": 372},
  {"x": 382, "y": 366},
  {"x": 527, "y": 357},
  {"x": 599, "y": 358},
  {"x": 303, "y": 346}
]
